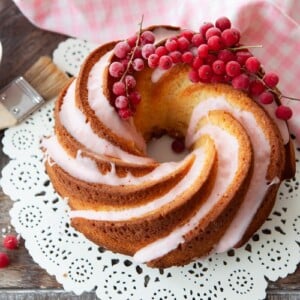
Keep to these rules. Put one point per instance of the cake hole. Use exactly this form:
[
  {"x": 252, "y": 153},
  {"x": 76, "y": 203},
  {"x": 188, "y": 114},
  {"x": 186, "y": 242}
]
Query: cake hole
[{"x": 161, "y": 150}]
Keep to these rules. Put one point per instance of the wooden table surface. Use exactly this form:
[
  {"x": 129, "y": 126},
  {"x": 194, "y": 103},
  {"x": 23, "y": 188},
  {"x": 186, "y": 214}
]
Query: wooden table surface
[{"x": 24, "y": 279}]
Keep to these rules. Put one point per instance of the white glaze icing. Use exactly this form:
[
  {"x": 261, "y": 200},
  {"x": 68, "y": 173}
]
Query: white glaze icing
[
  {"x": 75, "y": 123},
  {"x": 258, "y": 184},
  {"x": 227, "y": 148},
  {"x": 86, "y": 169},
  {"x": 102, "y": 108},
  {"x": 190, "y": 179}
]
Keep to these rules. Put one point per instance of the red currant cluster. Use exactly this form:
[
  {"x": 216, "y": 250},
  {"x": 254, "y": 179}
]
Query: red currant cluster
[
  {"x": 214, "y": 54},
  {"x": 130, "y": 55},
  {"x": 10, "y": 242}
]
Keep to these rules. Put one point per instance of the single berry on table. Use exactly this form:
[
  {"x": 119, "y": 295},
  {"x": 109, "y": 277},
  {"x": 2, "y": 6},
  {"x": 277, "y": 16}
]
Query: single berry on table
[
  {"x": 11, "y": 242},
  {"x": 4, "y": 260}
]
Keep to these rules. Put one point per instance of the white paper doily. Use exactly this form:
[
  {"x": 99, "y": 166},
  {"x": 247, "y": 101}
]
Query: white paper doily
[{"x": 42, "y": 219}]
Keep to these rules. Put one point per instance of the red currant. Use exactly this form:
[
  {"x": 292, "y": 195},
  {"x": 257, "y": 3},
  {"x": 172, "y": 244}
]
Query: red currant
[
  {"x": 135, "y": 97},
  {"x": 183, "y": 43},
  {"x": 178, "y": 146},
  {"x": 138, "y": 64},
  {"x": 212, "y": 32},
  {"x": 147, "y": 50},
  {"x": 256, "y": 87},
  {"x": 165, "y": 62},
  {"x": 122, "y": 49},
  {"x": 223, "y": 23},
  {"x": 215, "y": 43},
  {"x": 4, "y": 260},
  {"x": 130, "y": 81},
  {"x": 121, "y": 102},
  {"x": 147, "y": 37},
  {"x": 125, "y": 113},
  {"x": 252, "y": 64},
  {"x": 205, "y": 73},
  {"x": 171, "y": 45},
  {"x": 187, "y": 57},
  {"x": 188, "y": 34},
  {"x": 116, "y": 69},
  {"x": 230, "y": 37},
  {"x": 175, "y": 56},
  {"x": 226, "y": 55},
  {"x": 153, "y": 60},
  {"x": 137, "y": 52},
  {"x": 193, "y": 76},
  {"x": 283, "y": 112},
  {"x": 197, "y": 62},
  {"x": 119, "y": 88},
  {"x": 242, "y": 56},
  {"x": 197, "y": 39},
  {"x": 203, "y": 28},
  {"x": 161, "y": 50},
  {"x": 233, "y": 68},
  {"x": 218, "y": 67},
  {"x": 203, "y": 50},
  {"x": 241, "y": 82},
  {"x": 11, "y": 242},
  {"x": 217, "y": 79},
  {"x": 266, "y": 98},
  {"x": 132, "y": 41},
  {"x": 271, "y": 79}
]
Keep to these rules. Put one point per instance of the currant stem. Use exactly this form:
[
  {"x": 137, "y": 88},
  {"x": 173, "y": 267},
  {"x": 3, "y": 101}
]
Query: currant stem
[
  {"x": 290, "y": 98},
  {"x": 133, "y": 52},
  {"x": 245, "y": 47}
]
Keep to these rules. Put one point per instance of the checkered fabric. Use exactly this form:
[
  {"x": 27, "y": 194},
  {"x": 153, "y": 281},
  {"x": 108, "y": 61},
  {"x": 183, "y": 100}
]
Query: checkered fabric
[{"x": 273, "y": 24}]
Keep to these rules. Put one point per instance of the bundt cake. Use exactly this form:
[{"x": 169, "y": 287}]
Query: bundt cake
[{"x": 202, "y": 86}]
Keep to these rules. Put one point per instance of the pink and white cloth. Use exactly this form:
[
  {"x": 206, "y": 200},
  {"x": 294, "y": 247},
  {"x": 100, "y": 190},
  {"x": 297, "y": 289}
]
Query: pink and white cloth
[{"x": 271, "y": 23}]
